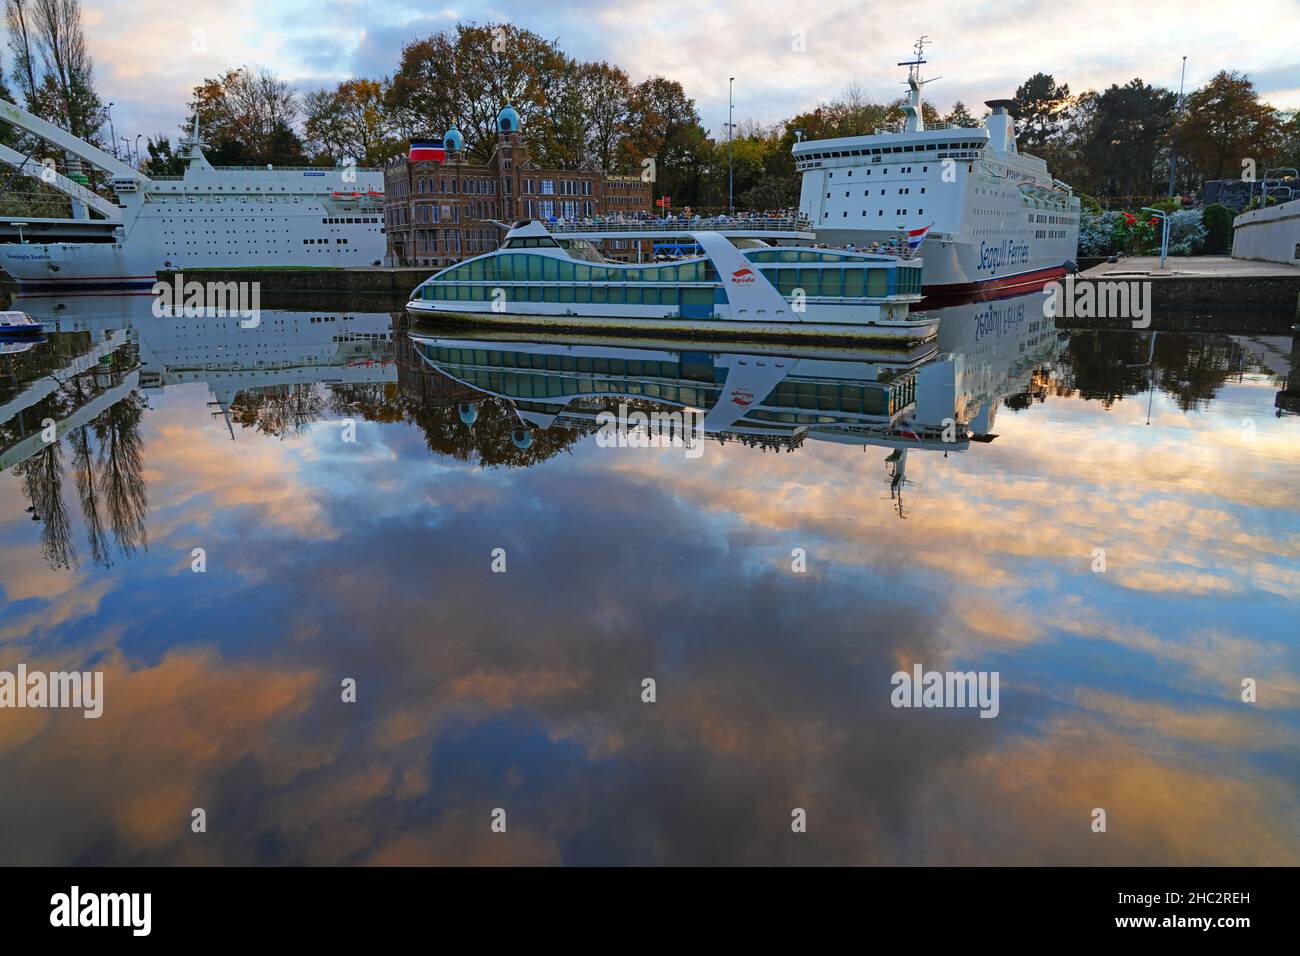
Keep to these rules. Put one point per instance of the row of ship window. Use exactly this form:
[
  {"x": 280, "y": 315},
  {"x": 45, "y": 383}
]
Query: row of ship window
[
  {"x": 515, "y": 268},
  {"x": 528, "y": 383},
  {"x": 599, "y": 295},
  {"x": 877, "y": 151}
]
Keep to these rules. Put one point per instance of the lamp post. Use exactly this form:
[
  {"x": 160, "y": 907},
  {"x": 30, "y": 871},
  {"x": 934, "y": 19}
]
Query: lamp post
[
  {"x": 138, "y": 137},
  {"x": 1173, "y": 157},
  {"x": 111, "y": 131},
  {"x": 128, "y": 149},
  {"x": 731, "y": 127},
  {"x": 1164, "y": 232}
]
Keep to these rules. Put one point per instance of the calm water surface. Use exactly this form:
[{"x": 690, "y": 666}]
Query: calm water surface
[{"x": 372, "y": 559}]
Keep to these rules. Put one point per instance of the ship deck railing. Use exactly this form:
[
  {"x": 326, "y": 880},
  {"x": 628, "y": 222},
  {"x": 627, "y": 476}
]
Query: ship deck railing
[{"x": 713, "y": 224}]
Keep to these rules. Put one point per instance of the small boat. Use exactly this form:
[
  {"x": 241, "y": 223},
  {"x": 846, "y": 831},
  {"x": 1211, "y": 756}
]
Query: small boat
[{"x": 14, "y": 325}]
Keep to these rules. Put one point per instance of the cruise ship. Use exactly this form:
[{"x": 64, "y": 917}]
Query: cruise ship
[
  {"x": 742, "y": 282},
  {"x": 997, "y": 220},
  {"x": 209, "y": 217}
]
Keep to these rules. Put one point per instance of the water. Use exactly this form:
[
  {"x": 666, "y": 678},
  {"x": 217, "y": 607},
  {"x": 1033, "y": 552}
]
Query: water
[{"x": 328, "y": 559}]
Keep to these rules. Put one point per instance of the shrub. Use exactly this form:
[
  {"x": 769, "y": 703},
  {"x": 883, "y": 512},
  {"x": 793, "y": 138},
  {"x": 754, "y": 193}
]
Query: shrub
[
  {"x": 1097, "y": 233},
  {"x": 1089, "y": 203},
  {"x": 1186, "y": 232},
  {"x": 1217, "y": 219}
]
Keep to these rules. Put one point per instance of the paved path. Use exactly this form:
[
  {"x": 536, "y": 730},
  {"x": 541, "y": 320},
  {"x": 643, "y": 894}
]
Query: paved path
[{"x": 1210, "y": 267}]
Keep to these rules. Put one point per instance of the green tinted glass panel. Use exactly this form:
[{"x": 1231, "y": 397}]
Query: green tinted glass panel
[
  {"x": 877, "y": 282},
  {"x": 854, "y": 281},
  {"x": 832, "y": 282}
]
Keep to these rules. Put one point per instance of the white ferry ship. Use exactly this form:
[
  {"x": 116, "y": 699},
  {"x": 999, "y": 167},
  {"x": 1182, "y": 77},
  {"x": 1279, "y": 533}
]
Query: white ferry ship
[
  {"x": 209, "y": 217},
  {"x": 996, "y": 219},
  {"x": 739, "y": 284}
]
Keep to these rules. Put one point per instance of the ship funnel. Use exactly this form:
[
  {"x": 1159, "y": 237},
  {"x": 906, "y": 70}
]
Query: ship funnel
[{"x": 1001, "y": 125}]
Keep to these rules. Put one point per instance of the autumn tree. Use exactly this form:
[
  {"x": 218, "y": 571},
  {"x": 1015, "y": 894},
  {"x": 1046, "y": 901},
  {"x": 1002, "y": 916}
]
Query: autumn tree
[
  {"x": 22, "y": 44},
  {"x": 349, "y": 121},
  {"x": 247, "y": 117},
  {"x": 467, "y": 75},
  {"x": 1225, "y": 123},
  {"x": 664, "y": 125}
]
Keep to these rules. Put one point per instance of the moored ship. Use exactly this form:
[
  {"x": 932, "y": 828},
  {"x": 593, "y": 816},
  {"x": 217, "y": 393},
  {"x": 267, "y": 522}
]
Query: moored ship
[
  {"x": 994, "y": 220},
  {"x": 209, "y": 217},
  {"x": 738, "y": 284}
]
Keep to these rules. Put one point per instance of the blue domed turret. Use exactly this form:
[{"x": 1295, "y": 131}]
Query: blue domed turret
[
  {"x": 508, "y": 120},
  {"x": 522, "y": 438},
  {"x": 468, "y": 412},
  {"x": 453, "y": 140}
]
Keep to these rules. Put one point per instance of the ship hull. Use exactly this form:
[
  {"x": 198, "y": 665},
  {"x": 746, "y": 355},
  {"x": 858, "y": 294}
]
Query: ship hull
[{"x": 914, "y": 330}]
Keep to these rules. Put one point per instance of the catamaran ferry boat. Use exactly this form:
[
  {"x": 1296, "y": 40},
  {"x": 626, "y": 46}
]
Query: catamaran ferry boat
[
  {"x": 738, "y": 284},
  {"x": 991, "y": 218},
  {"x": 209, "y": 217}
]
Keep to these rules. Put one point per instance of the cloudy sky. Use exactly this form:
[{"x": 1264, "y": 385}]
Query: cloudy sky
[{"x": 149, "y": 53}]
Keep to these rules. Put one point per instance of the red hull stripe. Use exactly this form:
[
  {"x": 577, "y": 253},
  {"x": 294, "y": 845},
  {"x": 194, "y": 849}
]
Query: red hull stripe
[{"x": 1038, "y": 277}]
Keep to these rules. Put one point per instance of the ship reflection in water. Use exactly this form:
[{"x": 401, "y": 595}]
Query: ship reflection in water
[{"x": 230, "y": 522}]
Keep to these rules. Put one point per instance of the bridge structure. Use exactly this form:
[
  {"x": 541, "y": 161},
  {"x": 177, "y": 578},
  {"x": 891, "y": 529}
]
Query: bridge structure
[{"x": 93, "y": 216}]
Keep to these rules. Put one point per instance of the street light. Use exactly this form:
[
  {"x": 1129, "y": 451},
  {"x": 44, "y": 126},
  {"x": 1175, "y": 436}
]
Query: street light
[
  {"x": 111, "y": 131},
  {"x": 731, "y": 126},
  {"x": 138, "y": 137},
  {"x": 1173, "y": 155},
  {"x": 1164, "y": 232}
]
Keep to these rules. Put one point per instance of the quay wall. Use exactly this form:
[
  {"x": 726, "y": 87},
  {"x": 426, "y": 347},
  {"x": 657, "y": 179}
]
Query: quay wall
[{"x": 1271, "y": 234}]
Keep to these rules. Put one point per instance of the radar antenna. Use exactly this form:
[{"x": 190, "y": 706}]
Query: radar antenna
[{"x": 912, "y": 108}]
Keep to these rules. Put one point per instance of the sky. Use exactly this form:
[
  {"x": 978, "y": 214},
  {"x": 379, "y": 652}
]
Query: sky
[{"x": 785, "y": 55}]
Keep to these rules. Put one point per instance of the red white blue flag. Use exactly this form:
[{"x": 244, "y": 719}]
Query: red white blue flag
[
  {"x": 427, "y": 151},
  {"x": 917, "y": 236}
]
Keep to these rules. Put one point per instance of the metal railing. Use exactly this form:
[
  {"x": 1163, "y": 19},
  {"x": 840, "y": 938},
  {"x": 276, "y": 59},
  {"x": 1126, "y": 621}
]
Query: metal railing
[{"x": 714, "y": 224}]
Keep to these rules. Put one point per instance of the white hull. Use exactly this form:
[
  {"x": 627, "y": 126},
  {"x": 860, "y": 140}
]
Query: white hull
[{"x": 916, "y": 329}]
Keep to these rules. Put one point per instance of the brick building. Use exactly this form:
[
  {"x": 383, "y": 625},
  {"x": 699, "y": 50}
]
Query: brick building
[{"x": 438, "y": 213}]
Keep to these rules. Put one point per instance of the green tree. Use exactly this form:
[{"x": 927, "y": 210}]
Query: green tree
[
  {"x": 959, "y": 115},
  {"x": 1218, "y": 229},
  {"x": 1127, "y": 147},
  {"x": 162, "y": 159},
  {"x": 1042, "y": 111}
]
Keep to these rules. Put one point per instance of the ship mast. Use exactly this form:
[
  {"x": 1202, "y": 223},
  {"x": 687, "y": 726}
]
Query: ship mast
[{"x": 913, "y": 122}]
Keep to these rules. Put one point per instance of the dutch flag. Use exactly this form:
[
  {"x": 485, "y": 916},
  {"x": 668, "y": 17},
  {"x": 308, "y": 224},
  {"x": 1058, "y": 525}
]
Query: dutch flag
[
  {"x": 917, "y": 236},
  {"x": 427, "y": 151}
]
